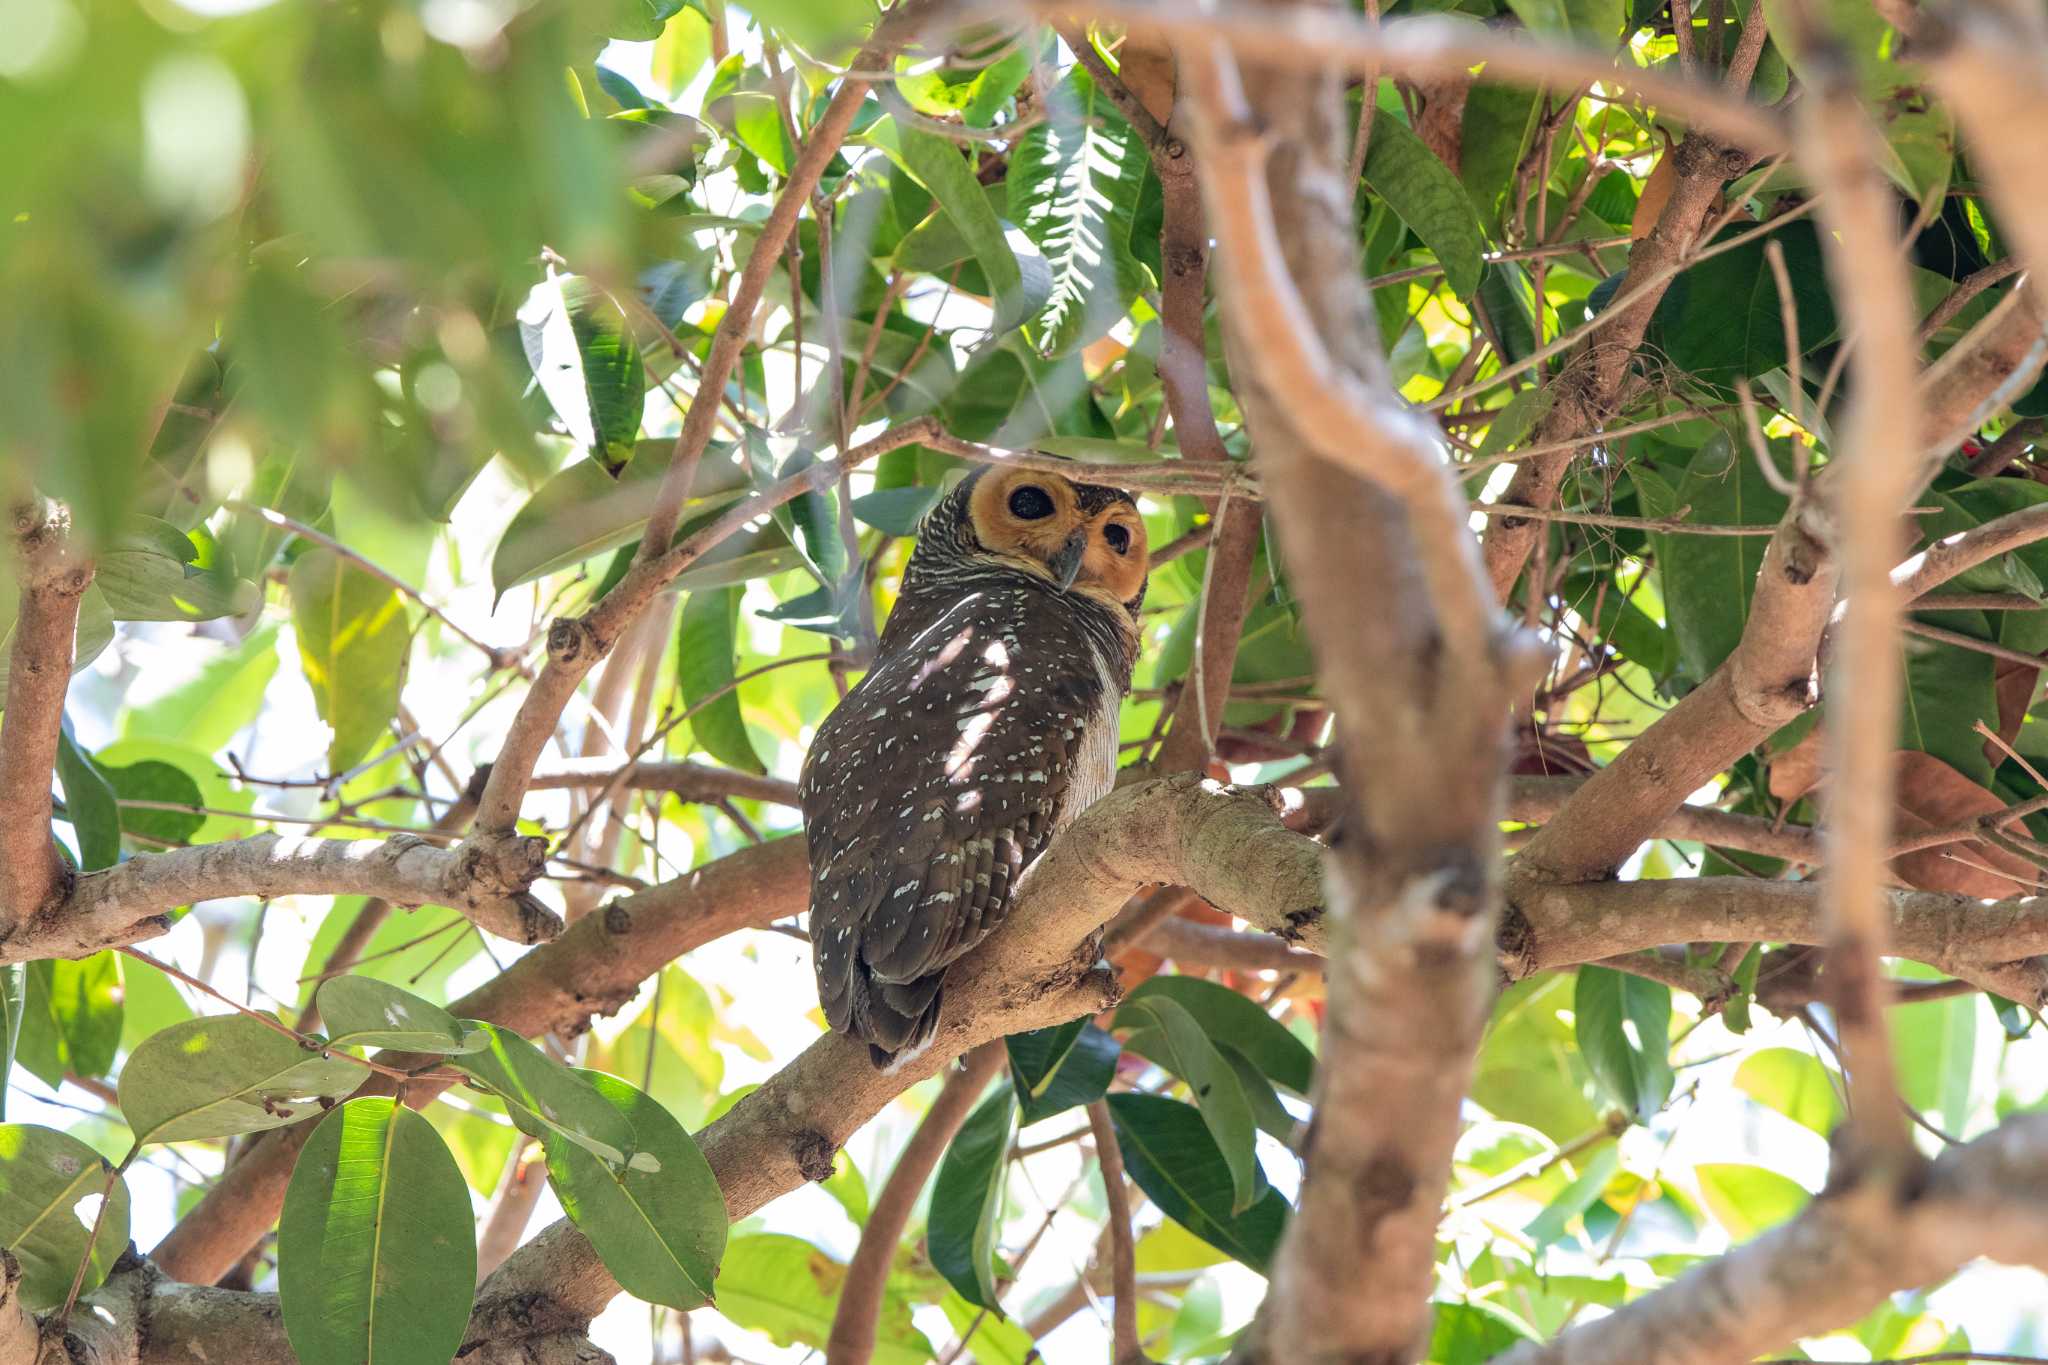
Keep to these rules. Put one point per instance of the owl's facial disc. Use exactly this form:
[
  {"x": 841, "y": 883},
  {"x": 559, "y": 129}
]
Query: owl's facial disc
[{"x": 1083, "y": 538}]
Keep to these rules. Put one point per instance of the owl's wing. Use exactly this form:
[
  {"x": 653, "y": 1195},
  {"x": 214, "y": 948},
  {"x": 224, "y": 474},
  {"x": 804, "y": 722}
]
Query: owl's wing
[{"x": 926, "y": 793}]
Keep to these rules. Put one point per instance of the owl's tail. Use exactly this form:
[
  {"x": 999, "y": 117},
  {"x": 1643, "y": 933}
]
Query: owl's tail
[{"x": 892, "y": 1017}]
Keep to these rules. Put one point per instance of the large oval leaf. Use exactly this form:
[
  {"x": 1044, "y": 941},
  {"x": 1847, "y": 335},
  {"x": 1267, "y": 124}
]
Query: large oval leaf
[
  {"x": 706, "y": 639},
  {"x": 585, "y": 360},
  {"x": 787, "y": 1290},
  {"x": 1169, "y": 1153},
  {"x": 1056, "y": 1069},
  {"x": 1163, "y": 1030},
  {"x": 1427, "y": 197},
  {"x": 588, "y": 508},
  {"x": 362, "y": 1011},
  {"x": 48, "y": 1181},
  {"x": 544, "y": 1096},
  {"x": 376, "y": 1248},
  {"x": 222, "y": 1075},
  {"x": 660, "y": 1231},
  {"x": 1230, "y": 1019},
  {"x": 353, "y": 635},
  {"x": 967, "y": 1200}
]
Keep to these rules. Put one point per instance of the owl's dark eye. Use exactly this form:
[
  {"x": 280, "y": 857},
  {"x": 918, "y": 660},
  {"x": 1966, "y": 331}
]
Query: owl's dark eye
[
  {"x": 1119, "y": 538},
  {"x": 1030, "y": 503}
]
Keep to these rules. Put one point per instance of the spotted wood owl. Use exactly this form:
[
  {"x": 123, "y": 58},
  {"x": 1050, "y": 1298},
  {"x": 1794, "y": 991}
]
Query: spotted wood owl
[{"x": 988, "y": 721}]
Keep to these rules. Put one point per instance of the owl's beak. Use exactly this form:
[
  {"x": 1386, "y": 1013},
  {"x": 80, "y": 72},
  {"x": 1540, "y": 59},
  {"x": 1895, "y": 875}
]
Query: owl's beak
[{"x": 1066, "y": 565}]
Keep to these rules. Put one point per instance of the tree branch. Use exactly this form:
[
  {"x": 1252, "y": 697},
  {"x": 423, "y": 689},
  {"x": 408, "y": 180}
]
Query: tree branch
[
  {"x": 127, "y": 903},
  {"x": 1996, "y": 945},
  {"x": 854, "y": 1319},
  {"x": 736, "y": 324},
  {"x": 1880, "y": 464},
  {"x": 1362, "y": 497},
  {"x": 53, "y": 579},
  {"x": 1832, "y": 1263},
  {"x": 1124, "y": 1349},
  {"x": 1037, "y": 970},
  {"x": 595, "y": 967}
]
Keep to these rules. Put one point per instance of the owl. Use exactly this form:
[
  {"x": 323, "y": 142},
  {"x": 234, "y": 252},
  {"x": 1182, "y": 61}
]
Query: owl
[{"x": 987, "y": 723}]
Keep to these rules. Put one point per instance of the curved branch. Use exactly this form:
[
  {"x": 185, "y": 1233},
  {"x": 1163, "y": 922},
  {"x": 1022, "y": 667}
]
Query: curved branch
[
  {"x": 53, "y": 580},
  {"x": 1832, "y": 1263},
  {"x": 1996, "y": 945},
  {"x": 127, "y": 903},
  {"x": 859, "y": 1311}
]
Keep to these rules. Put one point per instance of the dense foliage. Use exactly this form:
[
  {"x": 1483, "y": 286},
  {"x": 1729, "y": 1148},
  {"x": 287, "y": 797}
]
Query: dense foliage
[{"x": 356, "y": 339}]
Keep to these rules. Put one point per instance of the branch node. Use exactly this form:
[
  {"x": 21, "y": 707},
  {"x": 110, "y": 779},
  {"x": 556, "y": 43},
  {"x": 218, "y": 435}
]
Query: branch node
[{"x": 572, "y": 641}]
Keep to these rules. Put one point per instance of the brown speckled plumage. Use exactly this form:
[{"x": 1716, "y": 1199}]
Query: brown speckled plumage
[{"x": 986, "y": 724}]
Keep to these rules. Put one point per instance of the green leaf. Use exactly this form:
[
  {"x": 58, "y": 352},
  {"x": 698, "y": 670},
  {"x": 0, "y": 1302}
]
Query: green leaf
[
  {"x": 706, "y": 643},
  {"x": 13, "y": 1001},
  {"x": 1471, "y": 1333},
  {"x": 353, "y": 641},
  {"x": 1495, "y": 133},
  {"x": 1708, "y": 580},
  {"x": 1747, "y": 1200},
  {"x": 147, "y": 574},
  {"x": 361, "y": 1011},
  {"x": 1516, "y": 421},
  {"x": 1623, "y": 1024},
  {"x": 659, "y": 1231},
  {"x": 1169, "y": 1153},
  {"x": 1073, "y": 186},
  {"x": 1164, "y": 1031},
  {"x": 939, "y": 165},
  {"x": 787, "y": 1289},
  {"x": 153, "y": 780},
  {"x": 222, "y": 1075},
  {"x": 589, "y": 508},
  {"x": 585, "y": 360},
  {"x": 376, "y": 1247},
  {"x": 1720, "y": 320},
  {"x": 967, "y": 1200},
  {"x": 544, "y": 1096},
  {"x": 896, "y": 511},
  {"x": 44, "y": 1177},
  {"x": 1508, "y": 295},
  {"x": 1793, "y": 1083},
  {"x": 1230, "y": 1018},
  {"x": 1936, "y": 1045},
  {"x": 1267, "y": 1112},
  {"x": 89, "y": 804},
  {"x": 1056, "y": 1069},
  {"x": 1428, "y": 198},
  {"x": 85, "y": 1001},
  {"x": 1550, "y": 1225}
]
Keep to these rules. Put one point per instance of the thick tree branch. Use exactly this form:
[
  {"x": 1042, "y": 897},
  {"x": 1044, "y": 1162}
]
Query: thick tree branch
[
  {"x": 127, "y": 903},
  {"x": 1230, "y": 842},
  {"x": 52, "y": 580},
  {"x": 1879, "y": 467},
  {"x": 1299, "y": 38},
  {"x": 1832, "y": 1263},
  {"x": 859, "y": 1311},
  {"x": 595, "y": 967},
  {"x": 1421, "y": 679},
  {"x": 1037, "y": 970},
  {"x": 1997, "y": 945}
]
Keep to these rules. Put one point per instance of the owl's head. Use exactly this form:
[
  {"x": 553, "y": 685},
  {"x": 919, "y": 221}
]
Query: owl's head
[{"x": 1083, "y": 538}]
